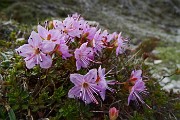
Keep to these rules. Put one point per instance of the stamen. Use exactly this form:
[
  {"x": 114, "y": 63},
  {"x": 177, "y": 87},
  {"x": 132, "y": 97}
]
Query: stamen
[
  {"x": 110, "y": 89},
  {"x": 94, "y": 61},
  {"x": 92, "y": 96},
  {"x": 84, "y": 95},
  {"x": 94, "y": 88},
  {"x": 40, "y": 58},
  {"x": 136, "y": 101},
  {"x": 37, "y": 62},
  {"x": 91, "y": 88},
  {"x": 85, "y": 61}
]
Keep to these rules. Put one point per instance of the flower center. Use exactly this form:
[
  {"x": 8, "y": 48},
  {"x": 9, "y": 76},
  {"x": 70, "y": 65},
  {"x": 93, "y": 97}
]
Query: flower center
[
  {"x": 132, "y": 80},
  {"x": 85, "y": 85},
  {"x": 98, "y": 79},
  {"x": 65, "y": 31},
  {"x": 37, "y": 51},
  {"x": 49, "y": 37}
]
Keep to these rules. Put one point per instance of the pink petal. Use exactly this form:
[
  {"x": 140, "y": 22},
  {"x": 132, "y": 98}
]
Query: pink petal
[
  {"x": 88, "y": 99},
  {"x": 30, "y": 63},
  {"x": 34, "y": 39},
  {"x": 74, "y": 92},
  {"x": 84, "y": 64},
  {"x": 119, "y": 50},
  {"x": 130, "y": 97},
  {"x": 102, "y": 94},
  {"x": 77, "y": 52},
  {"x": 65, "y": 52},
  {"x": 83, "y": 46},
  {"x": 75, "y": 33},
  {"x": 139, "y": 85},
  {"x": 91, "y": 32},
  {"x": 58, "y": 24},
  {"x": 42, "y": 32},
  {"x": 101, "y": 72},
  {"x": 89, "y": 52},
  {"x": 25, "y": 50},
  {"x": 54, "y": 34},
  {"x": 78, "y": 64},
  {"x": 77, "y": 79},
  {"x": 45, "y": 61},
  {"x": 138, "y": 73},
  {"x": 47, "y": 46},
  {"x": 91, "y": 76}
]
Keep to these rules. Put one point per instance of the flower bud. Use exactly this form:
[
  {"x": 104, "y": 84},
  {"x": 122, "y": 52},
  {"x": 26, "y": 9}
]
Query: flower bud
[
  {"x": 50, "y": 25},
  {"x": 113, "y": 113}
]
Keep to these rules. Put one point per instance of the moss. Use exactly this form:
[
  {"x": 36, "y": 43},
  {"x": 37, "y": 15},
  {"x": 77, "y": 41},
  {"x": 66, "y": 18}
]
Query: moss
[
  {"x": 24, "y": 13},
  {"x": 69, "y": 2},
  {"x": 170, "y": 54},
  {"x": 5, "y": 3}
]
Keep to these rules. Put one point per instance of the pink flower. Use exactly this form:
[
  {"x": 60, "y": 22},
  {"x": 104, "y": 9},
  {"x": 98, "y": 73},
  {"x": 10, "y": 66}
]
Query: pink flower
[
  {"x": 88, "y": 31},
  {"x": 98, "y": 44},
  {"x": 113, "y": 113},
  {"x": 111, "y": 37},
  {"x": 120, "y": 44},
  {"x": 85, "y": 87},
  {"x": 63, "y": 49},
  {"x": 45, "y": 34},
  {"x": 136, "y": 91},
  {"x": 69, "y": 26},
  {"x": 36, "y": 51},
  {"x": 83, "y": 56},
  {"x": 106, "y": 36},
  {"x": 136, "y": 75},
  {"x": 91, "y": 32},
  {"x": 77, "y": 16},
  {"x": 102, "y": 83}
]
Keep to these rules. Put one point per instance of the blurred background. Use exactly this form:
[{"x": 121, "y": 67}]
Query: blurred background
[{"x": 152, "y": 25}]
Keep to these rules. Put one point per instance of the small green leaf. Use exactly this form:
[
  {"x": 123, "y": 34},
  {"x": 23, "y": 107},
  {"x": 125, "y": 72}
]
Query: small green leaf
[
  {"x": 4, "y": 56},
  {"x": 11, "y": 114}
]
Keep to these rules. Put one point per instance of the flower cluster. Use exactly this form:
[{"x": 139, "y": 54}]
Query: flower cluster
[
  {"x": 58, "y": 37},
  {"x": 37, "y": 51},
  {"x": 74, "y": 37}
]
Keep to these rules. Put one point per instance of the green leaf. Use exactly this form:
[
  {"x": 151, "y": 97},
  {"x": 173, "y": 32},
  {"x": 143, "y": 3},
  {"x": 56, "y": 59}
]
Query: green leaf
[
  {"x": 11, "y": 114},
  {"x": 4, "y": 56}
]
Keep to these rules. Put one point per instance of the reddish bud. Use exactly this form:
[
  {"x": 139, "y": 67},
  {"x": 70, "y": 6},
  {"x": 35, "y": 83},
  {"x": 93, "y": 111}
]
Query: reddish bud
[{"x": 113, "y": 113}]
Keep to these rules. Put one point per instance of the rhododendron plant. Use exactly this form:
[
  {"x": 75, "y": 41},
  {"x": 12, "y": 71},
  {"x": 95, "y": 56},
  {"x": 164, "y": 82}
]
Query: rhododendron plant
[{"x": 84, "y": 49}]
